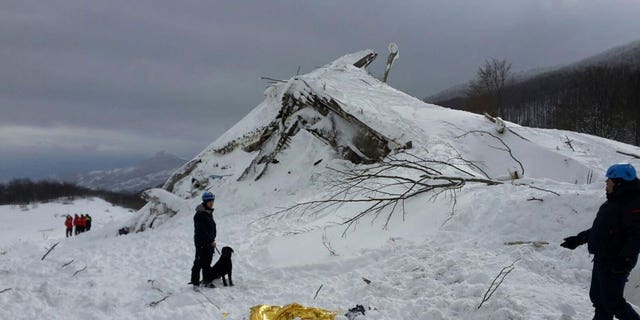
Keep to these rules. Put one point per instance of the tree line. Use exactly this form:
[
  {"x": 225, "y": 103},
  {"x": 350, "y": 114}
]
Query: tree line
[
  {"x": 601, "y": 100},
  {"x": 24, "y": 191}
]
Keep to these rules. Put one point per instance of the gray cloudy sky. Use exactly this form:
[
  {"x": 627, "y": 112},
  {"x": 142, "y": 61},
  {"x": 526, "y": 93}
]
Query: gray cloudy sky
[{"x": 92, "y": 84}]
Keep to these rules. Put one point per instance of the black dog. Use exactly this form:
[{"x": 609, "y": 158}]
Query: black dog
[{"x": 223, "y": 266}]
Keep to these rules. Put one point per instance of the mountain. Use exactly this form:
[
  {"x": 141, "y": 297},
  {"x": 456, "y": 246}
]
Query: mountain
[
  {"x": 624, "y": 55},
  {"x": 340, "y": 190},
  {"x": 146, "y": 174}
]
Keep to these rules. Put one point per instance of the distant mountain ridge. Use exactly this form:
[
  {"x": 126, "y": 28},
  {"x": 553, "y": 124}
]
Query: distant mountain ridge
[
  {"x": 628, "y": 54},
  {"x": 144, "y": 175}
]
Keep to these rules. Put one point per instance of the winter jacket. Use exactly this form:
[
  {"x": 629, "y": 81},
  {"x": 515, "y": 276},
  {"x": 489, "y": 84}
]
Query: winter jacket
[
  {"x": 615, "y": 234},
  {"x": 204, "y": 226},
  {"x": 76, "y": 221},
  {"x": 68, "y": 223}
]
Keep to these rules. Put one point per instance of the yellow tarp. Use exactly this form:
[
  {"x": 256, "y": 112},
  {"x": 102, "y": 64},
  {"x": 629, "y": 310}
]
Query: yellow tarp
[{"x": 290, "y": 312}]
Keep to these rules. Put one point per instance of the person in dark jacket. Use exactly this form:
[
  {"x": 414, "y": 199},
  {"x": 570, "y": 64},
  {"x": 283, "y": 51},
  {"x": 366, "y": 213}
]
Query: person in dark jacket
[
  {"x": 614, "y": 241},
  {"x": 88, "y": 222},
  {"x": 204, "y": 239}
]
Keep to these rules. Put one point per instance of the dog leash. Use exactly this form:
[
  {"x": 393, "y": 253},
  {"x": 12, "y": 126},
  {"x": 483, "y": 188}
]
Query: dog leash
[{"x": 216, "y": 247}]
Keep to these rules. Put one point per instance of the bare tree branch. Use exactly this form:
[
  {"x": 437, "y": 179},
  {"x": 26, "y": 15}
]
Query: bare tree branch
[
  {"x": 327, "y": 244},
  {"x": 318, "y": 291},
  {"x": 83, "y": 269},
  {"x": 50, "y": 249},
  {"x": 497, "y": 281},
  {"x": 501, "y": 141},
  {"x": 629, "y": 154},
  {"x": 541, "y": 189},
  {"x": 68, "y": 263},
  {"x": 384, "y": 187},
  {"x": 272, "y": 79},
  {"x": 155, "y": 303}
]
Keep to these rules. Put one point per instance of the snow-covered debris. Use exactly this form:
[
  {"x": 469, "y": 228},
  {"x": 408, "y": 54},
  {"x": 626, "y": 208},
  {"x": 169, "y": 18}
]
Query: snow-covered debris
[{"x": 436, "y": 259}]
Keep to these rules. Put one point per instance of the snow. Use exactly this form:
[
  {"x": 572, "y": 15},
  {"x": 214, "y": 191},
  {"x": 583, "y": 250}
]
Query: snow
[{"x": 432, "y": 263}]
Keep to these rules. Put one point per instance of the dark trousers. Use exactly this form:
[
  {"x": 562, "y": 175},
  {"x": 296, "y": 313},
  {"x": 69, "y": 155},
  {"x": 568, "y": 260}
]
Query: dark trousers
[
  {"x": 204, "y": 255},
  {"x": 606, "y": 293},
  {"x": 69, "y": 232}
]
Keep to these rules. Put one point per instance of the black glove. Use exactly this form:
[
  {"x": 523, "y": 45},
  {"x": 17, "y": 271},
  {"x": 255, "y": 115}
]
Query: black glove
[
  {"x": 575, "y": 241},
  {"x": 571, "y": 242}
]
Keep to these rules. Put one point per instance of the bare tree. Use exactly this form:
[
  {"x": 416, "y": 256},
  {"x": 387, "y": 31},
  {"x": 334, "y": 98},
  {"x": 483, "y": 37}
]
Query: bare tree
[
  {"x": 384, "y": 187},
  {"x": 488, "y": 87}
]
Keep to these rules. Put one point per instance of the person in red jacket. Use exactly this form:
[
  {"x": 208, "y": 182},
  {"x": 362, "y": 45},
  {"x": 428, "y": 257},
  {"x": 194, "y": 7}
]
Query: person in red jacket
[
  {"x": 76, "y": 223},
  {"x": 69, "y": 224},
  {"x": 83, "y": 223}
]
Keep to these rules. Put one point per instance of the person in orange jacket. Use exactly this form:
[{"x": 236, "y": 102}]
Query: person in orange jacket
[
  {"x": 83, "y": 223},
  {"x": 69, "y": 224},
  {"x": 76, "y": 223}
]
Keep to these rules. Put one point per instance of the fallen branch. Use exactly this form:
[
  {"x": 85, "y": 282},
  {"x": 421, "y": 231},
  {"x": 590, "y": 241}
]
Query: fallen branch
[
  {"x": 5, "y": 290},
  {"x": 327, "y": 244},
  {"x": 318, "y": 291},
  {"x": 83, "y": 269},
  {"x": 537, "y": 244},
  {"x": 155, "y": 303},
  {"x": 568, "y": 143},
  {"x": 384, "y": 187},
  {"x": 272, "y": 79},
  {"x": 629, "y": 154},
  {"x": 541, "y": 189},
  {"x": 497, "y": 281},
  {"x": 50, "y": 249},
  {"x": 507, "y": 148},
  {"x": 153, "y": 285},
  {"x": 367, "y": 281},
  {"x": 68, "y": 263},
  {"x": 534, "y": 198},
  {"x": 215, "y": 305}
]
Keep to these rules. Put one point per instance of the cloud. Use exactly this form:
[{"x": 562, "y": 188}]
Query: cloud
[
  {"x": 132, "y": 73},
  {"x": 21, "y": 140}
]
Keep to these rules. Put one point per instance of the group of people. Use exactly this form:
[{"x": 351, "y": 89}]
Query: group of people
[{"x": 81, "y": 223}]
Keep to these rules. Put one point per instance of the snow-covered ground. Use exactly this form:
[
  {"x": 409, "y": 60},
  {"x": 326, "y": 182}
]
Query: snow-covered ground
[
  {"x": 44, "y": 222},
  {"x": 435, "y": 262}
]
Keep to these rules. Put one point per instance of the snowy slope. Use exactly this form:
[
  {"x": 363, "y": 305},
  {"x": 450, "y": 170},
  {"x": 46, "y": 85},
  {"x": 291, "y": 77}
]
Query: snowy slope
[{"x": 435, "y": 262}]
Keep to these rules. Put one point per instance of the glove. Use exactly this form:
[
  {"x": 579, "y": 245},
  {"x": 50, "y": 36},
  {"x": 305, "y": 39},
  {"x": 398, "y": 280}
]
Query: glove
[
  {"x": 571, "y": 242},
  {"x": 575, "y": 241}
]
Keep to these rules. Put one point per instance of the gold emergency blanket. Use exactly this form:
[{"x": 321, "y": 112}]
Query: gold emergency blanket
[{"x": 290, "y": 312}]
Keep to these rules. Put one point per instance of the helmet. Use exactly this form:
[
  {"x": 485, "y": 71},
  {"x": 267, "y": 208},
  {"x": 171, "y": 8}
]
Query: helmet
[
  {"x": 622, "y": 171},
  {"x": 208, "y": 196}
]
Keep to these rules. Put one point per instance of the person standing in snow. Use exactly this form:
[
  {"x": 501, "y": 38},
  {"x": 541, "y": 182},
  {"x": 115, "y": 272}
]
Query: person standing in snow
[
  {"x": 614, "y": 240},
  {"x": 88, "y": 223},
  {"x": 204, "y": 239},
  {"x": 76, "y": 223},
  {"x": 83, "y": 222},
  {"x": 68, "y": 222}
]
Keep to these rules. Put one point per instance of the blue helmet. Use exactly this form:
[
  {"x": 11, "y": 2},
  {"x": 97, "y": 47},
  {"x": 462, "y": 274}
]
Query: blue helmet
[
  {"x": 622, "y": 171},
  {"x": 208, "y": 196}
]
